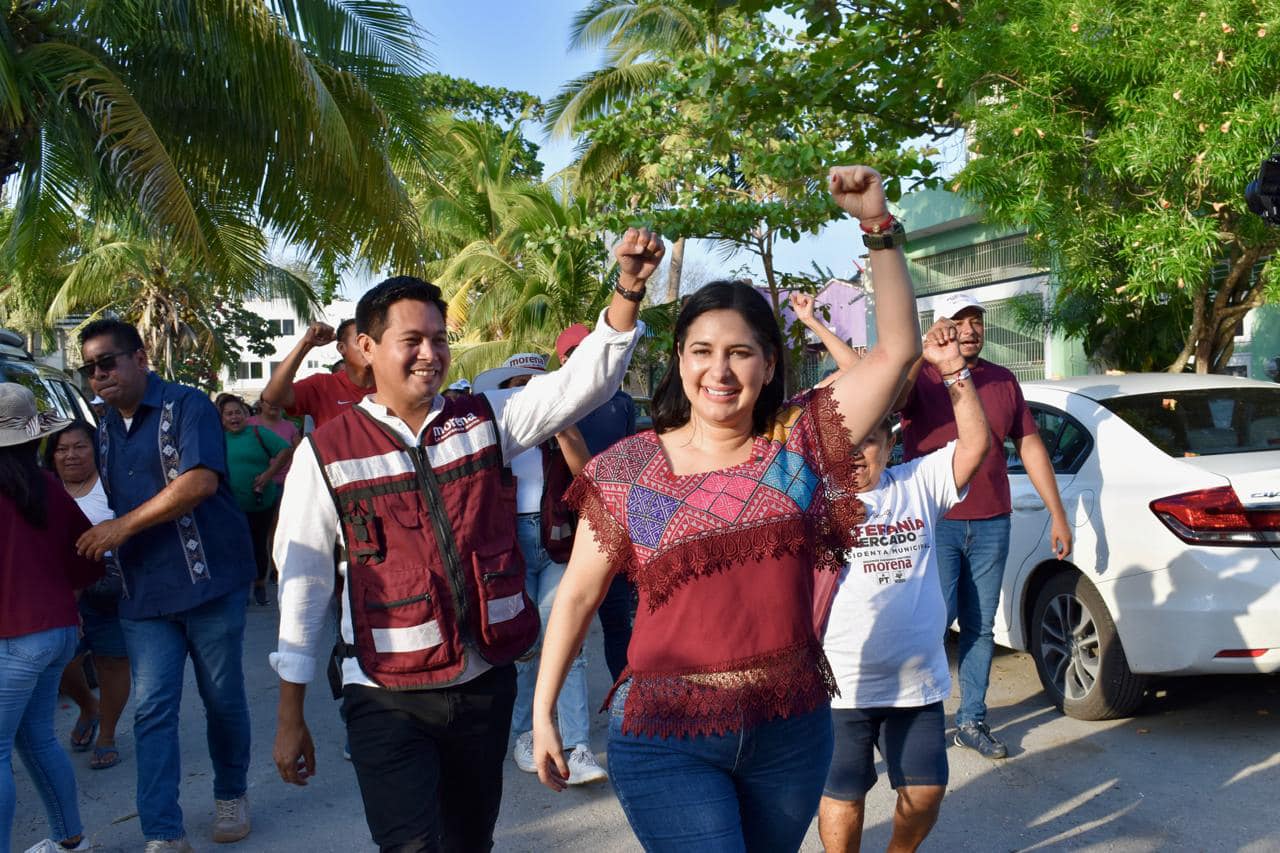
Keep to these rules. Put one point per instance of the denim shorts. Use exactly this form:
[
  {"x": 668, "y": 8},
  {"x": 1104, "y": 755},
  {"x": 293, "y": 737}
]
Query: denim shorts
[
  {"x": 102, "y": 633},
  {"x": 911, "y": 741}
]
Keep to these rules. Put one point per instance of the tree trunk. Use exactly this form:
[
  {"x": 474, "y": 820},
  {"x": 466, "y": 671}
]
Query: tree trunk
[
  {"x": 675, "y": 270},
  {"x": 1211, "y": 338},
  {"x": 1194, "y": 334}
]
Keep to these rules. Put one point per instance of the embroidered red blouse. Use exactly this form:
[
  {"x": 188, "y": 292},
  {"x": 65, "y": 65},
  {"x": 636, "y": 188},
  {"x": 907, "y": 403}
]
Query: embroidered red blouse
[{"x": 723, "y": 562}]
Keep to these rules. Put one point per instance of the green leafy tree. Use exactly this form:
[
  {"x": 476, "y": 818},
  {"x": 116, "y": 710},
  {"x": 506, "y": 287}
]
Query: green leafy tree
[
  {"x": 1121, "y": 135},
  {"x": 728, "y": 154},
  {"x": 185, "y": 118},
  {"x": 641, "y": 40}
]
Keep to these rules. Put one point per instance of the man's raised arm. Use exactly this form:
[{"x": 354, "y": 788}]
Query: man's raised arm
[
  {"x": 973, "y": 435},
  {"x": 598, "y": 366},
  {"x": 279, "y": 390}
]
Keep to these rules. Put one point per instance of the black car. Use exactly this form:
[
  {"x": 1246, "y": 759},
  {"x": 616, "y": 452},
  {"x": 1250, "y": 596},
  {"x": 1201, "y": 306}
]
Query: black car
[{"x": 53, "y": 389}]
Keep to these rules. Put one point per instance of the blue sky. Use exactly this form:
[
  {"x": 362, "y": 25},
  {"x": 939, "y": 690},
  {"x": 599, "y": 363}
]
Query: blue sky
[
  {"x": 519, "y": 45},
  {"x": 525, "y": 45}
]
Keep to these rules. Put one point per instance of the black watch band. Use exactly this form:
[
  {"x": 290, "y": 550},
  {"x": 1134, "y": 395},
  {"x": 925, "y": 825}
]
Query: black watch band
[
  {"x": 629, "y": 295},
  {"x": 890, "y": 238}
]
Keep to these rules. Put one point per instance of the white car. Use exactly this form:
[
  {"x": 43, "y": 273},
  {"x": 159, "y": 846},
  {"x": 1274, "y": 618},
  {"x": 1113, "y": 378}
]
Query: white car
[{"x": 1172, "y": 485}]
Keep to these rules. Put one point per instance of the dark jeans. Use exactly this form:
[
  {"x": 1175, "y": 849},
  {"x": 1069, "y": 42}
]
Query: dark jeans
[
  {"x": 616, "y": 613},
  {"x": 261, "y": 524},
  {"x": 429, "y": 762},
  {"x": 752, "y": 790}
]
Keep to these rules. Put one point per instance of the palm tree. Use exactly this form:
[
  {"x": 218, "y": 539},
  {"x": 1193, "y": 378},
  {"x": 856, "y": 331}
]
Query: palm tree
[
  {"x": 642, "y": 39},
  {"x": 185, "y": 117},
  {"x": 514, "y": 292},
  {"x": 181, "y": 310}
]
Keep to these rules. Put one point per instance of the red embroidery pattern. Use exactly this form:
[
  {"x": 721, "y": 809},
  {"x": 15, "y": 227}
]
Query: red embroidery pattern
[
  {"x": 728, "y": 697},
  {"x": 665, "y": 530}
]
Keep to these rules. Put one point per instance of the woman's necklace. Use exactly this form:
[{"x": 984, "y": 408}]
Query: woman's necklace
[{"x": 80, "y": 489}]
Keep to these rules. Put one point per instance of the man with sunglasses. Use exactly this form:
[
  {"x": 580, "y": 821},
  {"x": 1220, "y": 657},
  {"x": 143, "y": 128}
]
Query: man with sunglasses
[{"x": 187, "y": 563}]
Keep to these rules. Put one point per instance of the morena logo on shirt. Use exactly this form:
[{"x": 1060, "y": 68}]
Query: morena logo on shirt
[
  {"x": 454, "y": 425},
  {"x": 872, "y": 535}
]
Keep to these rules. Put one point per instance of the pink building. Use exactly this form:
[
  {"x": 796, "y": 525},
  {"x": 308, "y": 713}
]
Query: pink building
[{"x": 846, "y": 304}]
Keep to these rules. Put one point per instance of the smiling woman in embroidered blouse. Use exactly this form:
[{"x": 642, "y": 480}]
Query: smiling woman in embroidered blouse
[{"x": 720, "y": 728}]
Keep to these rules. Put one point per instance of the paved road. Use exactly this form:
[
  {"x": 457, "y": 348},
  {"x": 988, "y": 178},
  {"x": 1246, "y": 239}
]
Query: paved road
[{"x": 1199, "y": 770}]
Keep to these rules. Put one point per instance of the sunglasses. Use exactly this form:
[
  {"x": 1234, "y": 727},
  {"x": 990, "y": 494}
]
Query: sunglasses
[{"x": 106, "y": 363}]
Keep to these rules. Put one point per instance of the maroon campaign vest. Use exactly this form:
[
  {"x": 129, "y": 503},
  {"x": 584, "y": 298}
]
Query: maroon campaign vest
[
  {"x": 558, "y": 520},
  {"x": 432, "y": 558}
]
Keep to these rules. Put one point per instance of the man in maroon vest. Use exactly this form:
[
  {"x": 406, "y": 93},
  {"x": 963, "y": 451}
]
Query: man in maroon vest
[{"x": 433, "y": 610}]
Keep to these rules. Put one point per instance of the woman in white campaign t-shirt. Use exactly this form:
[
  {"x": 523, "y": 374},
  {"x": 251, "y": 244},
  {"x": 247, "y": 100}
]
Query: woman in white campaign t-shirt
[{"x": 884, "y": 634}]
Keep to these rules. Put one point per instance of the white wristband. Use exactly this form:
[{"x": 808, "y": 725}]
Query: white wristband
[{"x": 963, "y": 374}]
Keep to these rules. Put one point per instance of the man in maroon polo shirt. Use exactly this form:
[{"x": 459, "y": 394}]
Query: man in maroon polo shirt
[
  {"x": 972, "y": 540},
  {"x": 325, "y": 395}
]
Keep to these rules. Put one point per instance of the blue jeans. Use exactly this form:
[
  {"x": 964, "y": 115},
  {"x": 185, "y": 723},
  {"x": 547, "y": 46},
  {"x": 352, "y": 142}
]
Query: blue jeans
[
  {"x": 212, "y": 635},
  {"x": 971, "y": 558},
  {"x": 542, "y": 579},
  {"x": 30, "y": 667},
  {"x": 756, "y": 789}
]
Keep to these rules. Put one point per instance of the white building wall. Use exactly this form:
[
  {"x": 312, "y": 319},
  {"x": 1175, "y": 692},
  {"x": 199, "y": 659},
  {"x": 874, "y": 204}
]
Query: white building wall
[{"x": 317, "y": 361}]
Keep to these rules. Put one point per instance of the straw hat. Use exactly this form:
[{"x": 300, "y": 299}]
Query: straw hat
[{"x": 20, "y": 421}]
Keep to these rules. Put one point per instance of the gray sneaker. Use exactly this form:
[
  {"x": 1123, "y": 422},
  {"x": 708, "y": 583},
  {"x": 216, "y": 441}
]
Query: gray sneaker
[
  {"x": 231, "y": 819},
  {"x": 978, "y": 737},
  {"x": 583, "y": 767},
  {"x": 178, "y": 845},
  {"x": 523, "y": 753}
]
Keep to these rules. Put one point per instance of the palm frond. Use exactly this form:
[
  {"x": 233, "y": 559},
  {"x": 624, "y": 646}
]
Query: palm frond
[
  {"x": 134, "y": 153},
  {"x": 598, "y": 92}
]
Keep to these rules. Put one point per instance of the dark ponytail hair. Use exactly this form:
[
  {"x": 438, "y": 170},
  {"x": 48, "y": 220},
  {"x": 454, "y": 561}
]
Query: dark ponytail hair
[
  {"x": 670, "y": 405},
  {"x": 22, "y": 481}
]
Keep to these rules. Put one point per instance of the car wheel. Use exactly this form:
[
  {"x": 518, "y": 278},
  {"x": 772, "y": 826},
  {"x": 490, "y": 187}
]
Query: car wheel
[{"x": 1078, "y": 654}]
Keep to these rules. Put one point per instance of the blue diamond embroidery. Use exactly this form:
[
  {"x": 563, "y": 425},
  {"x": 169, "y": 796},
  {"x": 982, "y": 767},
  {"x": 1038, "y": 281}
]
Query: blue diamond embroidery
[{"x": 789, "y": 473}]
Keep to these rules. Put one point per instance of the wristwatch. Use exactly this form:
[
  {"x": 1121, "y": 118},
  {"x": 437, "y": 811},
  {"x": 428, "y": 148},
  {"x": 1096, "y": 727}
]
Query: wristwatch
[{"x": 887, "y": 235}]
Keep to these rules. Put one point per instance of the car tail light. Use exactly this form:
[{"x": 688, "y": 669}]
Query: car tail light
[
  {"x": 1241, "y": 653},
  {"x": 1216, "y": 517}
]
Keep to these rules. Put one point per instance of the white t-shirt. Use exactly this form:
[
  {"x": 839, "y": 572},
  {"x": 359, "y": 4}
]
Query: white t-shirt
[
  {"x": 884, "y": 636},
  {"x": 527, "y": 468},
  {"x": 94, "y": 505}
]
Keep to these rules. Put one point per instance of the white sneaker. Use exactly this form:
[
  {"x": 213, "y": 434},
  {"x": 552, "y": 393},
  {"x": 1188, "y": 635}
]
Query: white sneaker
[
  {"x": 583, "y": 767},
  {"x": 178, "y": 845},
  {"x": 523, "y": 753},
  {"x": 51, "y": 846},
  {"x": 230, "y": 819}
]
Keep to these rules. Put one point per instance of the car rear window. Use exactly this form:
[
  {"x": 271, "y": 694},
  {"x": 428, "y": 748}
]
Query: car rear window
[
  {"x": 1204, "y": 422},
  {"x": 51, "y": 393}
]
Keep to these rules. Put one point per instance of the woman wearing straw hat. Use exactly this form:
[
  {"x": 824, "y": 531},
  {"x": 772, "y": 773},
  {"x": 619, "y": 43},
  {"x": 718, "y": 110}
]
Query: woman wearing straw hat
[
  {"x": 545, "y": 527},
  {"x": 38, "y": 617}
]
